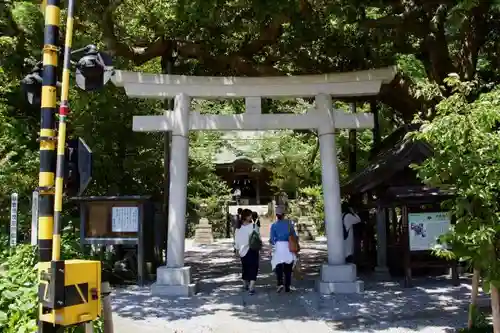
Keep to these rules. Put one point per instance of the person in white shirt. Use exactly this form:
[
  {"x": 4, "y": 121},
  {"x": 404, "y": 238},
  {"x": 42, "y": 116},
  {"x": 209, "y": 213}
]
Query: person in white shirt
[
  {"x": 249, "y": 257},
  {"x": 349, "y": 219}
]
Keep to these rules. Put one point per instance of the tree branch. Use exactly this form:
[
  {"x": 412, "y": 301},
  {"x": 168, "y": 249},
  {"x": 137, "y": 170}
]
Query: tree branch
[
  {"x": 139, "y": 55},
  {"x": 239, "y": 62},
  {"x": 435, "y": 46},
  {"x": 398, "y": 95},
  {"x": 11, "y": 29},
  {"x": 473, "y": 35},
  {"x": 314, "y": 153},
  {"x": 269, "y": 34}
]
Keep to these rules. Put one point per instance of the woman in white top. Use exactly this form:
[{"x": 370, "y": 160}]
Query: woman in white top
[
  {"x": 349, "y": 219},
  {"x": 249, "y": 257}
]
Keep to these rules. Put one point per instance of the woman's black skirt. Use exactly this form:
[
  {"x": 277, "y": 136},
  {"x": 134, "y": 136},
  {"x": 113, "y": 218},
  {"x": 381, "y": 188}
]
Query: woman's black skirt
[{"x": 250, "y": 265}]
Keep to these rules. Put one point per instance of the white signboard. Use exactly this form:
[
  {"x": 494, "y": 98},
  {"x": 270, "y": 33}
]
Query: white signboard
[
  {"x": 426, "y": 228},
  {"x": 34, "y": 219},
  {"x": 125, "y": 219},
  {"x": 13, "y": 219}
]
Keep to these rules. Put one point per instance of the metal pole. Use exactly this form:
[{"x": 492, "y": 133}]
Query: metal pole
[
  {"x": 61, "y": 139},
  {"x": 47, "y": 138},
  {"x": 47, "y": 132}
]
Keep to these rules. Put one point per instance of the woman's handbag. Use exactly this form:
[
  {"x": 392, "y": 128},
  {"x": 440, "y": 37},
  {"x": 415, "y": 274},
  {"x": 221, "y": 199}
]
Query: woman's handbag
[
  {"x": 297, "y": 271},
  {"x": 293, "y": 241}
]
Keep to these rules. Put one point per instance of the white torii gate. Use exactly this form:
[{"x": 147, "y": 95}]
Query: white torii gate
[{"x": 336, "y": 275}]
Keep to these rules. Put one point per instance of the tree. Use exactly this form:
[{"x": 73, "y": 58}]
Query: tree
[
  {"x": 124, "y": 162},
  {"x": 255, "y": 38},
  {"x": 466, "y": 140}
]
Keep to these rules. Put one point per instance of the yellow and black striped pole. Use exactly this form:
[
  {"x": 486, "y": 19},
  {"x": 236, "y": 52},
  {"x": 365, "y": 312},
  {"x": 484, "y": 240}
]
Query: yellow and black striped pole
[
  {"x": 61, "y": 139},
  {"x": 47, "y": 131}
]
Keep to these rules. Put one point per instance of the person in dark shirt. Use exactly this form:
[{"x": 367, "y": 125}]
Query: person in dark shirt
[
  {"x": 236, "y": 222},
  {"x": 256, "y": 219}
]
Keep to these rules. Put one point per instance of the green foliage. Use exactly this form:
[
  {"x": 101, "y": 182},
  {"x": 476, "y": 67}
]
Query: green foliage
[
  {"x": 479, "y": 319},
  {"x": 480, "y": 329},
  {"x": 314, "y": 208},
  {"x": 466, "y": 142},
  {"x": 269, "y": 38},
  {"x": 19, "y": 285},
  {"x": 18, "y": 291}
]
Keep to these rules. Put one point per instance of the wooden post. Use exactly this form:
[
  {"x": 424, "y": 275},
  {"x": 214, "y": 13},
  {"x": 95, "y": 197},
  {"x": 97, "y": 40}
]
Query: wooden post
[
  {"x": 107, "y": 314},
  {"x": 495, "y": 308},
  {"x": 473, "y": 298},
  {"x": 406, "y": 248},
  {"x": 352, "y": 144},
  {"x": 376, "y": 127}
]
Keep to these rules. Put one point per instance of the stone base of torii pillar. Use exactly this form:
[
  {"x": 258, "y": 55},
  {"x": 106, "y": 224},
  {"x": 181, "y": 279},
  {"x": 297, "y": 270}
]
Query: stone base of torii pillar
[
  {"x": 174, "y": 282},
  {"x": 339, "y": 279}
]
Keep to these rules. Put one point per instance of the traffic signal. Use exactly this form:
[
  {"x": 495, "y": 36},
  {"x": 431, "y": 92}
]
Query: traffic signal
[
  {"x": 71, "y": 181},
  {"x": 31, "y": 85},
  {"x": 78, "y": 167},
  {"x": 94, "y": 69}
]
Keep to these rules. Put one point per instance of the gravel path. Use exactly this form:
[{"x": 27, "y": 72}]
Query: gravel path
[{"x": 434, "y": 306}]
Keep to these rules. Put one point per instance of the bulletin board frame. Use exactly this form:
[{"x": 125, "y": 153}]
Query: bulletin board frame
[{"x": 96, "y": 222}]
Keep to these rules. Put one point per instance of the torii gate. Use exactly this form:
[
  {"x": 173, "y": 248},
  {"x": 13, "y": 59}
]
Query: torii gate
[{"x": 336, "y": 275}]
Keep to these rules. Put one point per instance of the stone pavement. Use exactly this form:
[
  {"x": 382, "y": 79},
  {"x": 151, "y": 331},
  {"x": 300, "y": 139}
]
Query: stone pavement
[{"x": 432, "y": 306}]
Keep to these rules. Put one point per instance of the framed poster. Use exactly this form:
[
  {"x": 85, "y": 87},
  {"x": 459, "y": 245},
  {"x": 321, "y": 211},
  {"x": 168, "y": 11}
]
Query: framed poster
[
  {"x": 425, "y": 228},
  {"x": 125, "y": 219}
]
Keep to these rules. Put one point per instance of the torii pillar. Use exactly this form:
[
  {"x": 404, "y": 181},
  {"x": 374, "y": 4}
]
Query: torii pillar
[{"x": 336, "y": 276}]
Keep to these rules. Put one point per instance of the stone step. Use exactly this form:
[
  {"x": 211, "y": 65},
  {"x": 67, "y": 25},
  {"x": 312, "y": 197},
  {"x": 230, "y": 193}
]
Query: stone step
[
  {"x": 209, "y": 229},
  {"x": 203, "y": 229},
  {"x": 198, "y": 235},
  {"x": 203, "y": 241}
]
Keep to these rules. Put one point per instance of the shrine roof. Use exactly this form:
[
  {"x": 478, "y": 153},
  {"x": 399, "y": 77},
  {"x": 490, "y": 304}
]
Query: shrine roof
[
  {"x": 241, "y": 145},
  {"x": 387, "y": 163}
]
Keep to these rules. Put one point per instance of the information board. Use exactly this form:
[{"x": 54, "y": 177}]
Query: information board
[
  {"x": 125, "y": 219},
  {"x": 426, "y": 228},
  {"x": 13, "y": 219}
]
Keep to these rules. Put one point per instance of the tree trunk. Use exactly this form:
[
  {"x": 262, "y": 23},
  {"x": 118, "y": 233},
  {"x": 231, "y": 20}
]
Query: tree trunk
[
  {"x": 473, "y": 299},
  {"x": 495, "y": 308}
]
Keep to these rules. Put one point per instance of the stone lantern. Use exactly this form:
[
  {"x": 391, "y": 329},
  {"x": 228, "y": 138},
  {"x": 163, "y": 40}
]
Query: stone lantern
[
  {"x": 306, "y": 228},
  {"x": 203, "y": 234}
]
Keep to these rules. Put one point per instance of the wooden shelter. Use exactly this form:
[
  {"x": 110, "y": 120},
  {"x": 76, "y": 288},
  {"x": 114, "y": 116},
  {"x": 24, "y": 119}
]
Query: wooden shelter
[{"x": 402, "y": 215}]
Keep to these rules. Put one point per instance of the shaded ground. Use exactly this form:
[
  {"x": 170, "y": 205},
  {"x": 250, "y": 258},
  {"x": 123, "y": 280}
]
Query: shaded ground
[{"x": 432, "y": 306}]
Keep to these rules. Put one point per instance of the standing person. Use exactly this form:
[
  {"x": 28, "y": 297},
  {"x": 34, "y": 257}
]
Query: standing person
[
  {"x": 236, "y": 221},
  {"x": 256, "y": 219},
  {"x": 349, "y": 219},
  {"x": 282, "y": 258},
  {"x": 237, "y": 195},
  {"x": 249, "y": 256}
]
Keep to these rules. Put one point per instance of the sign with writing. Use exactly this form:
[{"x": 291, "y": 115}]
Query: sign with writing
[
  {"x": 34, "y": 219},
  {"x": 125, "y": 219},
  {"x": 13, "y": 219},
  {"x": 426, "y": 228}
]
